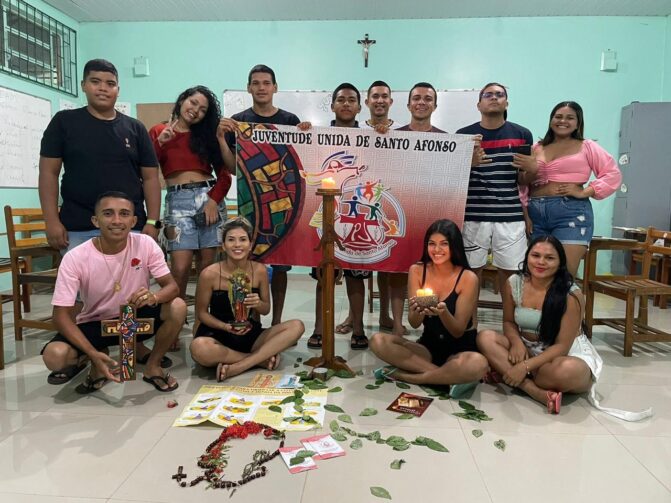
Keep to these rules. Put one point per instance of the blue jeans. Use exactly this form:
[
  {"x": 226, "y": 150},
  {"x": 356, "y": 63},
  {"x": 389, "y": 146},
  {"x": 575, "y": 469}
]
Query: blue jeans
[{"x": 568, "y": 219}]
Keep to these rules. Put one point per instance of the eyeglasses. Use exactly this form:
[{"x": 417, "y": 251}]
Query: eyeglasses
[{"x": 491, "y": 94}]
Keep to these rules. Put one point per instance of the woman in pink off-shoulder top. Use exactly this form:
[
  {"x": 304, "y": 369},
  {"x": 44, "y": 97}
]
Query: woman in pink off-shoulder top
[{"x": 559, "y": 197}]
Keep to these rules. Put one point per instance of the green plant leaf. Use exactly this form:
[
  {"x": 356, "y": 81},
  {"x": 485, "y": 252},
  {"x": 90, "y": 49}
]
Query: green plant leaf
[
  {"x": 429, "y": 390},
  {"x": 368, "y": 411},
  {"x": 298, "y": 393},
  {"x": 298, "y": 408},
  {"x": 379, "y": 382},
  {"x": 419, "y": 441},
  {"x": 396, "y": 440},
  {"x": 334, "y": 426},
  {"x": 308, "y": 419},
  {"x": 275, "y": 408},
  {"x": 405, "y": 416},
  {"x": 402, "y": 447},
  {"x": 380, "y": 492},
  {"x": 299, "y": 359},
  {"x": 372, "y": 386},
  {"x": 356, "y": 444},
  {"x": 299, "y": 401},
  {"x": 435, "y": 446},
  {"x": 343, "y": 374},
  {"x": 477, "y": 433},
  {"x": 333, "y": 408},
  {"x": 402, "y": 385},
  {"x": 466, "y": 406},
  {"x": 396, "y": 464},
  {"x": 344, "y": 418},
  {"x": 303, "y": 374},
  {"x": 300, "y": 457},
  {"x": 500, "y": 444},
  {"x": 374, "y": 436},
  {"x": 296, "y": 365},
  {"x": 339, "y": 436},
  {"x": 289, "y": 399},
  {"x": 349, "y": 431},
  {"x": 335, "y": 390},
  {"x": 289, "y": 419}
]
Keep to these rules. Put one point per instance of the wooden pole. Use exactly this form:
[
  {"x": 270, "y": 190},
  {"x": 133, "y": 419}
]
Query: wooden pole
[{"x": 326, "y": 275}]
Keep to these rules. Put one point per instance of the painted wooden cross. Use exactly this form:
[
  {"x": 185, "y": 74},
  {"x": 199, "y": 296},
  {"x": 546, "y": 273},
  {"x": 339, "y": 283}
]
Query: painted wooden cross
[{"x": 127, "y": 327}]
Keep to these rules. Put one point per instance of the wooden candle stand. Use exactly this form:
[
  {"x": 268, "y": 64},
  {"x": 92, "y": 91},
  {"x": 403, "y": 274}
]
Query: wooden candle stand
[{"x": 326, "y": 275}]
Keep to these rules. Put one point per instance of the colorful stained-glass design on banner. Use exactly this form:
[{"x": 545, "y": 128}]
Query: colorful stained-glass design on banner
[{"x": 270, "y": 188}]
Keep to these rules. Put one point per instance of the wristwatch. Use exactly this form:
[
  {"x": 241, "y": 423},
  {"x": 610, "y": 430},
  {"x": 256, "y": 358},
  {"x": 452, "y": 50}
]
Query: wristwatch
[{"x": 156, "y": 223}]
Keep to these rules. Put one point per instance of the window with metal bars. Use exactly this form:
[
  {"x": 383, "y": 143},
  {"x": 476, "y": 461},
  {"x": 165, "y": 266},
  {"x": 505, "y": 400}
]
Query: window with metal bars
[{"x": 37, "y": 47}]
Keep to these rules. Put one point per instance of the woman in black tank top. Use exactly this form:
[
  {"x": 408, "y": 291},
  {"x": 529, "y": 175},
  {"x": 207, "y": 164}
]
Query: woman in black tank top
[
  {"x": 217, "y": 343},
  {"x": 446, "y": 352}
]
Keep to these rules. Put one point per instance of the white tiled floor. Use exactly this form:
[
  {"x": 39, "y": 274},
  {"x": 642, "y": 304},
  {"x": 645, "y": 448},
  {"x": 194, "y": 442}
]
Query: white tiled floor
[{"x": 118, "y": 445}]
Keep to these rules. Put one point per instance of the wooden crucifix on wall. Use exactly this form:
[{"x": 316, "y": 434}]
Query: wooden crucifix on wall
[{"x": 366, "y": 43}]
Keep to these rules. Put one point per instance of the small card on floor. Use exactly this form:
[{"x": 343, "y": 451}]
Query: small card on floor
[
  {"x": 288, "y": 453},
  {"x": 265, "y": 380},
  {"x": 407, "y": 403},
  {"x": 324, "y": 445}
]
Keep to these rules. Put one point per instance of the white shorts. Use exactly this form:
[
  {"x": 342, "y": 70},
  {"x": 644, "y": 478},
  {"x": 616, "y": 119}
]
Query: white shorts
[{"x": 506, "y": 240}]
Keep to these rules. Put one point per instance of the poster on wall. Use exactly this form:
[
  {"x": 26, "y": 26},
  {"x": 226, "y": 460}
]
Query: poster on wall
[{"x": 393, "y": 186}]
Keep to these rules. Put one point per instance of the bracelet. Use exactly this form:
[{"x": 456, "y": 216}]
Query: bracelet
[
  {"x": 153, "y": 295},
  {"x": 526, "y": 365}
]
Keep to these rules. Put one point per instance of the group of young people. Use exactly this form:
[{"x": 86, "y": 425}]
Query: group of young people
[{"x": 517, "y": 190}]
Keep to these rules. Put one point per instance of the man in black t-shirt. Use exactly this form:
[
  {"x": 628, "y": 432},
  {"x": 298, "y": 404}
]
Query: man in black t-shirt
[
  {"x": 100, "y": 150},
  {"x": 261, "y": 84}
]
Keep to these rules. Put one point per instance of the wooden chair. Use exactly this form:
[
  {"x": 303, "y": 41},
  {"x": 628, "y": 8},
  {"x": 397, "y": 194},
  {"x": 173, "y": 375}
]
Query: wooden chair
[
  {"x": 628, "y": 287},
  {"x": 26, "y": 236}
]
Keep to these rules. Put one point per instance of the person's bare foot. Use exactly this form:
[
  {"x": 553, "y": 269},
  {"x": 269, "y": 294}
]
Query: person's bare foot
[{"x": 389, "y": 327}]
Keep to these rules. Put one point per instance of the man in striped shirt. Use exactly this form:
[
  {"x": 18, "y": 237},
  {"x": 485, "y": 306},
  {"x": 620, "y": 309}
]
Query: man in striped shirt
[{"x": 494, "y": 218}]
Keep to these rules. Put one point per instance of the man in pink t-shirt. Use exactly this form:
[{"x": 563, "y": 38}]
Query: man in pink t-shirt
[{"x": 108, "y": 271}]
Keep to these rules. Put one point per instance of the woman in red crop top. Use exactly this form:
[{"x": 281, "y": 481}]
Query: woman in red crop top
[
  {"x": 559, "y": 203},
  {"x": 190, "y": 147}
]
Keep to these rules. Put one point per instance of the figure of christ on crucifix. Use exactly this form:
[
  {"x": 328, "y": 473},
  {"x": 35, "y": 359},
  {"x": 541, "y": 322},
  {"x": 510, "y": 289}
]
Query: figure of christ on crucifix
[
  {"x": 126, "y": 328},
  {"x": 366, "y": 43}
]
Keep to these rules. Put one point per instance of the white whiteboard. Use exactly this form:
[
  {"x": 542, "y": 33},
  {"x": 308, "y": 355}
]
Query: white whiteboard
[
  {"x": 456, "y": 109},
  {"x": 23, "y": 119}
]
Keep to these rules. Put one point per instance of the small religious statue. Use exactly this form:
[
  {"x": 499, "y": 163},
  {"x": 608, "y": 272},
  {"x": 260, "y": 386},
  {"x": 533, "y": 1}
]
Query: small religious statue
[
  {"x": 239, "y": 287},
  {"x": 366, "y": 43}
]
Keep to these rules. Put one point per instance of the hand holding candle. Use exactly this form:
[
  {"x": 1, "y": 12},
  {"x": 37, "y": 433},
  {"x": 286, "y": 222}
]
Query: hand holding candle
[
  {"x": 328, "y": 183},
  {"x": 426, "y": 298}
]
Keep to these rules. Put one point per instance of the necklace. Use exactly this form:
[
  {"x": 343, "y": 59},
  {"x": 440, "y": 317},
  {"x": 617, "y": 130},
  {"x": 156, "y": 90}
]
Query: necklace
[
  {"x": 117, "y": 283},
  {"x": 215, "y": 458}
]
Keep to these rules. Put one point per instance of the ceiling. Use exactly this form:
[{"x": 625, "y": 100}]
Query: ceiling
[{"x": 292, "y": 10}]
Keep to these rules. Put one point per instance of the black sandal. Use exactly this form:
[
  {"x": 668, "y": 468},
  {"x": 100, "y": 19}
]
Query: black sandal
[
  {"x": 359, "y": 341},
  {"x": 166, "y": 362},
  {"x": 64, "y": 375},
  {"x": 315, "y": 341}
]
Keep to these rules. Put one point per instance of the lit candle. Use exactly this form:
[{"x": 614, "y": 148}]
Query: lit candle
[
  {"x": 424, "y": 292},
  {"x": 328, "y": 183}
]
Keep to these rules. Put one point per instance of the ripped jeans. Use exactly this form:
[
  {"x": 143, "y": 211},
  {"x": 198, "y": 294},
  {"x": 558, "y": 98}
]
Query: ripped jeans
[
  {"x": 568, "y": 219},
  {"x": 180, "y": 231}
]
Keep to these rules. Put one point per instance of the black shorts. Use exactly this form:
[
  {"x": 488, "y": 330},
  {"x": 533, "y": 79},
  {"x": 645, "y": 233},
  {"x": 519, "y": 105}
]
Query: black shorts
[
  {"x": 348, "y": 273},
  {"x": 443, "y": 346},
  {"x": 93, "y": 332},
  {"x": 240, "y": 343}
]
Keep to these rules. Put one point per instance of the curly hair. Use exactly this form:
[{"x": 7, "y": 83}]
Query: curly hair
[{"x": 203, "y": 140}]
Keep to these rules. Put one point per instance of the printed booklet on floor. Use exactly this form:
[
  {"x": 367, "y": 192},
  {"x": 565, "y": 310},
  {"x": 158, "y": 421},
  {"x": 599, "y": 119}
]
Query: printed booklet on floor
[{"x": 407, "y": 403}]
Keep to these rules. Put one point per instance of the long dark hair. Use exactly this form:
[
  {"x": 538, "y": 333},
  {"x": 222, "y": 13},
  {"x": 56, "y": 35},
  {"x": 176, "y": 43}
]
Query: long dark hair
[
  {"x": 203, "y": 140},
  {"x": 554, "y": 305},
  {"x": 580, "y": 130},
  {"x": 453, "y": 235}
]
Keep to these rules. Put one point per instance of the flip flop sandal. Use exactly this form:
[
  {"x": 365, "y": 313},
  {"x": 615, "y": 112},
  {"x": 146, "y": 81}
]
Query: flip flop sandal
[
  {"x": 385, "y": 373},
  {"x": 492, "y": 377},
  {"x": 359, "y": 341},
  {"x": 165, "y": 361},
  {"x": 389, "y": 329},
  {"x": 315, "y": 341},
  {"x": 554, "y": 402},
  {"x": 64, "y": 375},
  {"x": 156, "y": 381},
  {"x": 344, "y": 328},
  {"x": 91, "y": 385}
]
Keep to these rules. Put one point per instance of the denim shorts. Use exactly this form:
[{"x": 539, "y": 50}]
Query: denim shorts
[
  {"x": 181, "y": 207},
  {"x": 568, "y": 219}
]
